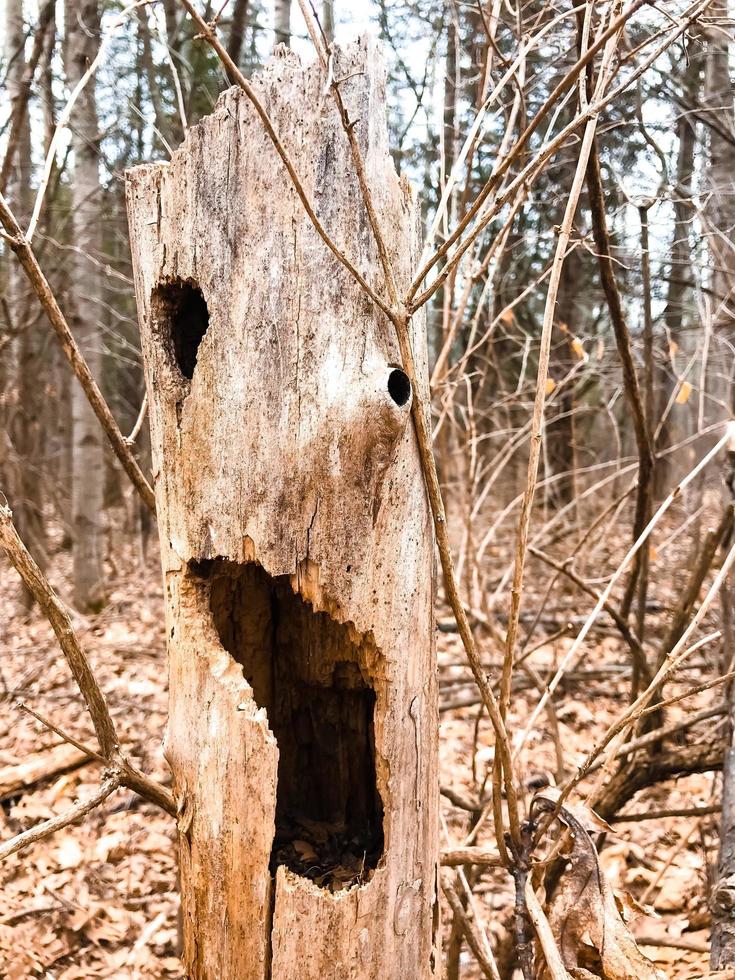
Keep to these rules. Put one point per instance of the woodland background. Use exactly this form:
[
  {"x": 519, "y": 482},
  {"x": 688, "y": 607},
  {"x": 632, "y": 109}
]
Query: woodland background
[{"x": 639, "y": 385}]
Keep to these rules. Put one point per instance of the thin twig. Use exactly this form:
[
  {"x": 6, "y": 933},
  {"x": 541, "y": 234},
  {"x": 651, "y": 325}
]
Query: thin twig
[
  {"x": 42, "y": 830},
  {"x": 488, "y": 967}
]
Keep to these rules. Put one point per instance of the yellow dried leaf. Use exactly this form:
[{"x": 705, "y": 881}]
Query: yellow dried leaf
[
  {"x": 673, "y": 348},
  {"x": 652, "y": 553},
  {"x": 684, "y": 392},
  {"x": 506, "y": 317},
  {"x": 578, "y": 348},
  {"x": 550, "y": 385}
]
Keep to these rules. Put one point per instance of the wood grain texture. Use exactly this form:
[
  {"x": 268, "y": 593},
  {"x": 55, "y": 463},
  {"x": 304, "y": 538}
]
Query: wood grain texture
[{"x": 285, "y": 450}]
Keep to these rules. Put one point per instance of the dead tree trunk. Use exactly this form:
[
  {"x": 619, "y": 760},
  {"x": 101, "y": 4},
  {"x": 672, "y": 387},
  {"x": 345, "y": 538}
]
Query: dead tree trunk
[{"x": 296, "y": 540}]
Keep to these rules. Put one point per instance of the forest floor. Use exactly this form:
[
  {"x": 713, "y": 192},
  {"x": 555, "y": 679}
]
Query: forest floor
[{"x": 99, "y": 899}]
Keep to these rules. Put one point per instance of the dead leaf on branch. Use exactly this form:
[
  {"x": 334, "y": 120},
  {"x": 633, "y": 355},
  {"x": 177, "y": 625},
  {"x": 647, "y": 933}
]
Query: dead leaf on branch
[{"x": 591, "y": 935}]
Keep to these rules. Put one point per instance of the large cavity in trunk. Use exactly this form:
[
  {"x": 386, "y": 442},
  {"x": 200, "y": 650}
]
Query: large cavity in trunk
[
  {"x": 304, "y": 668},
  {"x": 181, "y": 317}
]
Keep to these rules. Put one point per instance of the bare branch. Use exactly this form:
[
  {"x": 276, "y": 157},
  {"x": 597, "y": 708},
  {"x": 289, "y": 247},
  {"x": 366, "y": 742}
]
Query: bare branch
[{"x": 42, "y": 830}]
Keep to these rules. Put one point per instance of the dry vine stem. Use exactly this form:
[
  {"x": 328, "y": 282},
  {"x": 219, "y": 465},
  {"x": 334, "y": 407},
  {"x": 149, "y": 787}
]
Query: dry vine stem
[
  {"x": 517, "y": 149},
  {"x": 488, "y": 967},
  {"x": 545, "y": 936},
  {"x": 529, "y": 173},
  {"x": 605, "y": 594},
  {"x": 622, "y": 727},
  {"x": 537, "y": 421}
]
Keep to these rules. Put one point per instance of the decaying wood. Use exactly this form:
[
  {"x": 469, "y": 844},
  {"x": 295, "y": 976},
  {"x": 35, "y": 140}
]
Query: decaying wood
[
  {"x": 454, "y": 856},
  {"x": 41, "y": 766},
  {"x": 296, "y": 538}
]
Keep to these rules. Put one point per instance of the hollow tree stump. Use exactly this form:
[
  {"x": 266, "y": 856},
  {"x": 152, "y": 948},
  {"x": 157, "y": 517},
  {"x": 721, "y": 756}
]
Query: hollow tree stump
[{"x": 296, "y": 540}]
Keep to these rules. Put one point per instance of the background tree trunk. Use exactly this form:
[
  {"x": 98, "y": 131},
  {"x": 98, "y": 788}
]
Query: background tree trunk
[
  {"x": 721, "y": 184},
  {"x": 82, "y": 24},
  {"x": 296, "y": 540},
  {"x": 24, "y": 395},
  {"x": 721, "y": 187},
  {"x": 328, "y": 19},
  {"x": 681, "y": 282},
  {"x": 237, "y": 32},
  {"x": 282, "y": 17}
]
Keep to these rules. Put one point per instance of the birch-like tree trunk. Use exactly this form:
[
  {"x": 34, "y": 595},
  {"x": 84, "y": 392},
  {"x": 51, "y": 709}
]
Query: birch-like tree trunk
[
  {"x": 296, "y": 540},
  {"x": 328, "y": 19},
  {"x": 282, "y": 18},
  {"x": 82, "y": 25},
  {"x": 720, "y": 183},
  {"x": 679, "y": 288}
]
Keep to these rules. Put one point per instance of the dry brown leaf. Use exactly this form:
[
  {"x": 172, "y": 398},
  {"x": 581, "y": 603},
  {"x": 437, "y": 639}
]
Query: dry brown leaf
[
  {"x": 578, "y": 348},
  {"x": 592, "y": 938},
  {"x": 683, "y": 394}
]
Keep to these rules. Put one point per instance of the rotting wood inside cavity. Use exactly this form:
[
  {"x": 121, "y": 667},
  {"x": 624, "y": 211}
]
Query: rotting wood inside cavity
[{"x": 304, "y": 669}]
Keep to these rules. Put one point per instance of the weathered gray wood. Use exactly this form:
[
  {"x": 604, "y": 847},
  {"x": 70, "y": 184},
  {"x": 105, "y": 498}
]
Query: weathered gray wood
[{"x": 296, "y": 541}]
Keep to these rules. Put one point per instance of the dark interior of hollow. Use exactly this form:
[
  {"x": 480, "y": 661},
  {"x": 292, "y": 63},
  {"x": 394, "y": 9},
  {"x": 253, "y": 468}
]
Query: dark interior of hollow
[
  {"x": 181, "y": 307},
  {"x": 399, "y": 386},
  {"x": 304, "y": 669}
]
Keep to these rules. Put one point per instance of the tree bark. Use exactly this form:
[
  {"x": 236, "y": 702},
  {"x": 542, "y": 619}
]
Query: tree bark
[
  {"x": 681, "y": 276},
  {"x": 449, "y": 113},
  {"x": 328, "y": 19},
  {"x": 237, "y": 33},
  {"x": 282, "y": 16},
  {"x": 82, "y": 23},
  {"x": 719, "y": 104},
  {"x": 23, "y": 467},
  {"x": 296, "y": 539},
  {"x": 721, "y": 185}
]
